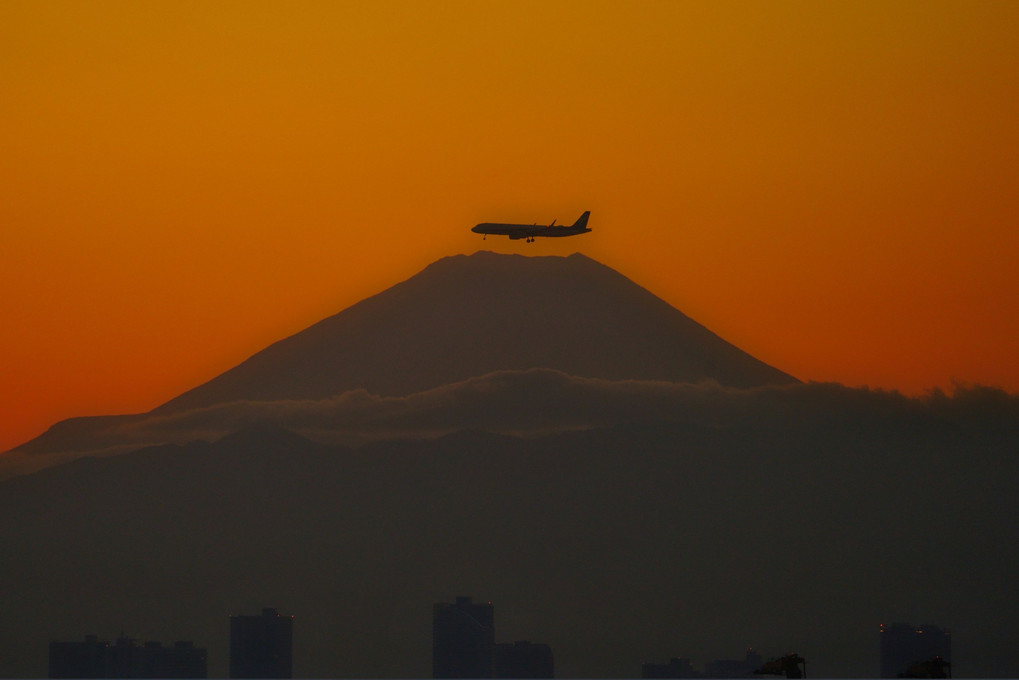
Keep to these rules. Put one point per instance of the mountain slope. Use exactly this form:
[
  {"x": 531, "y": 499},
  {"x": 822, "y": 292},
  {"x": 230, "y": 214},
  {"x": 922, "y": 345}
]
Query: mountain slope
[{"x": 466, "y": 316}]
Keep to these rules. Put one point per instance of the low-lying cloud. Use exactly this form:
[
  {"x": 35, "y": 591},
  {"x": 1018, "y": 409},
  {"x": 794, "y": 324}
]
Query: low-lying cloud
[{"x": 531, "y": 403}]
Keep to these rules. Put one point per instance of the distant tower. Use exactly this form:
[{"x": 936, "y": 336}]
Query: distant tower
[
  {"x": 463, "y": 639},
  {"x": 904, "y": 646},
  {"x": 260, "y": 646}
]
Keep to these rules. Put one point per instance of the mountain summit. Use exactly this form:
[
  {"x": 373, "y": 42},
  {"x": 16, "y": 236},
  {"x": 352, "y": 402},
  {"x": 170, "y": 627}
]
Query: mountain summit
[{"x": 466, "y": 316}]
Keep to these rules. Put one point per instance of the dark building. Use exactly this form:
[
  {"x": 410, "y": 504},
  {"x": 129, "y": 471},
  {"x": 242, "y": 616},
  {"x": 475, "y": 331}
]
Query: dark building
[
  {"x": 523, "y": 660},
  {"x": 87, "y": 659},
  {"x": 676, "y": 668},
  {"x": 94, "y": 658},
  {"x": 734, "y": 668},
  {"x": 904, "y": 647},
  {"x": 463, "y": 639},
  {"x": 261, "y": 646},
  {"x": 183, "y": 660}
]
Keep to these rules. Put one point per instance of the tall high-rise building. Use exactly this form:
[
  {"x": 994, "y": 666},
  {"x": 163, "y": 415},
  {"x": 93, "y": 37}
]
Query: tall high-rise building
[
  {"x": 261, "y": 646},
  {"x": 463, "y": 639},
  {"x": 904, "y": 648}
]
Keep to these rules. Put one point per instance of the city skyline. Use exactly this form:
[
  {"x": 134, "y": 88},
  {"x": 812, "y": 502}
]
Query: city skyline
[{"x": 463, "y": 646}]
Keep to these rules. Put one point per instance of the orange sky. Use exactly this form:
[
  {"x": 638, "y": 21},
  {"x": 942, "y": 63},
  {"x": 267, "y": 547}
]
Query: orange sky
[{"x": 834, "y": 187}]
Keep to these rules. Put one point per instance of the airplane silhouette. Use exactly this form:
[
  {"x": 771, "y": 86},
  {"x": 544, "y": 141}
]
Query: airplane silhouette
[{"x": 530, "y": 231}]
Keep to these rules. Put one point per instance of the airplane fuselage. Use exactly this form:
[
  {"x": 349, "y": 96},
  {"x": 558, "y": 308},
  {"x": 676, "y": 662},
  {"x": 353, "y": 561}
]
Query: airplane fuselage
[
  {"x": 532, "y": 231},
  {"x": 515, "y": 231}
]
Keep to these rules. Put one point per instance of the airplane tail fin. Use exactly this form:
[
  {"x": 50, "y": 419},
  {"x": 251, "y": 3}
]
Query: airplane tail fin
[{"x": 581, "y": 222}]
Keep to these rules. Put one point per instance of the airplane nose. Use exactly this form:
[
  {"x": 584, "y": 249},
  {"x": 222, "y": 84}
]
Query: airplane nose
[{"x": 475, "y": 228}]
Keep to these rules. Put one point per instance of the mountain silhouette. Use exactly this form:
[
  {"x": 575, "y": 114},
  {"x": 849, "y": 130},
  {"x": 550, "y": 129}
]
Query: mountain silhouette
[
  {"x": 480, "y": 325},
  {"x": 466, "y": 316}
]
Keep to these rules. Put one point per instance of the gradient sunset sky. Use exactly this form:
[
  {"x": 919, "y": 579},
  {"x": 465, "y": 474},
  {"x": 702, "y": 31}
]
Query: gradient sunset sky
[{"x": 833, "y": 187}]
